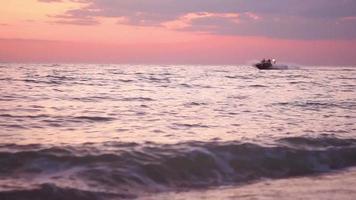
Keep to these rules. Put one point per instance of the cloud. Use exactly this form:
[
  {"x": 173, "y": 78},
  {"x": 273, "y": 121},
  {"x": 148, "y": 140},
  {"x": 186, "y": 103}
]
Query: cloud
[
  {"x": 83, "y": 22},
  {"x": 80, "y": 18},
  {"x": 276, "y": 27},
  {"x": 296, "y": 19}
]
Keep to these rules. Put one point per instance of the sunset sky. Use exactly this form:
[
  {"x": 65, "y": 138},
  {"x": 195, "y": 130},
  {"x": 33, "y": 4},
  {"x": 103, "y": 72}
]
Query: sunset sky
[{"x": 310, "y": 32}]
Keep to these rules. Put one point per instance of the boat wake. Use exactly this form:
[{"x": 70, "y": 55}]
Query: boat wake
[{"x": 281, "y": 67}]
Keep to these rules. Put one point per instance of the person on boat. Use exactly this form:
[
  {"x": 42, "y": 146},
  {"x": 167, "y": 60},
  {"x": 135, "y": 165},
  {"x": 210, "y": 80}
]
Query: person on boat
[{"x": 263, "y": 61}]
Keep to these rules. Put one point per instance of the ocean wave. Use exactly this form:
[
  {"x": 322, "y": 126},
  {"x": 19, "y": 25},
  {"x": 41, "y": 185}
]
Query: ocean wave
[
  {"x": 187, "y": 125},
  {"x": 125, "y": 80},
  {"x": 193, "y": 103},
  {"x": 257, "y": 86},
  {"x": 318, "y": 142},
  {"x": 18, "y": 122},
  {"x": 36, "y": 81},
  {"x": 137, "y": 99},
  {"x": 94, "y": 118},
  {"x": 238, "y": 77},
  {"x": 153, "y": 167},
  {"x": 53, "y": 192},
  {"x": 61, "y": 78},
  {"x": 24, "y": 116},
  {"x": 52, "y": 118},
  {"x": 319, "y": 105},
  {"x": 155, "y": 79}
]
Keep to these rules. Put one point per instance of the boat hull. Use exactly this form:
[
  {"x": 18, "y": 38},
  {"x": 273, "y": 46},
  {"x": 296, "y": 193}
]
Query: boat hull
[{"x": 263, "y": 65}]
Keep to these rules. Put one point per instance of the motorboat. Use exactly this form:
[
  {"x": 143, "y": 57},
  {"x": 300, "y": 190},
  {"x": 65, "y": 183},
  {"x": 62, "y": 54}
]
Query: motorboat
[{"x": 266, "y": 64}]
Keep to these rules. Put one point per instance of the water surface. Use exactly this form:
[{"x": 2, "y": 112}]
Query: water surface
[{"x": 115, "y": 131}]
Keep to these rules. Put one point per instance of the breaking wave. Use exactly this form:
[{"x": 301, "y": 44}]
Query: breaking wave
[{"x": 161, "y": 167}]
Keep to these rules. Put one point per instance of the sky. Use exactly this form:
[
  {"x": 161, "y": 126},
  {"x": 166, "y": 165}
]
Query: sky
[{"x": 317, "y": 32}]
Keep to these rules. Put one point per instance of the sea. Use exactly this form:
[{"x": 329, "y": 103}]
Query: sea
[{"x": 106, "y": 131}]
